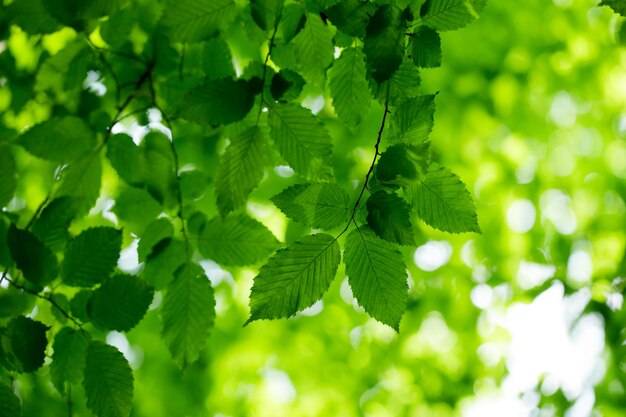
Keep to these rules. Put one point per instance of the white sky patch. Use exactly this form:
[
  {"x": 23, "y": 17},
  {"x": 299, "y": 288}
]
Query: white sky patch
[
  {"x": 217, "y": 274},
  {"x": 579, "y": 267},
  {"x": 563, "y": 110},
  {"x": 482, "y": 296},
  {"x": 556, "y": 206},
  {"x": 278, "y": 386},
  {"x": 129, "y": 258},
  {"x": 432, "y": 255},
  {"x": 155, "y": 122},
  {"x": 314, "y": 103},
  {"x": 521, "y": 215},
  {"x": 314, "y": 310},
  {"x": 93, "y": 84},
  {"x": 531, "y": 274},
  {"x": 284, "y": 171},
  {"x": 133, "y": 354}
]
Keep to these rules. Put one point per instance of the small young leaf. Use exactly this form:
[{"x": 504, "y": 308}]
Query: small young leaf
[
  {"x": 218, "y": 102},
  {"x": 120, "y": 302},
  {"x": 188, "y": 314},
  {"x": 91, "y": 256},
  {"x": 8, "y": 176},
  {"x": 403, "y": 164},
  {"x": 68, "y": 359},
  {"x": 10, "y": 405},
  {"x": 295, "y": 277},
  {"x": 348, "y": 86},
  {"x": 196, "y": 20},
  {"x": 377, "y": 276},
  {"x": 237, "y": 240},
  {"x": 61, "y": 139},
  {"x": 155, "y": 232},
  {"x": 108, "y": 381},
  {"x": 426, "y": 50},
  {"x": 322, "y": 205},
  {"x": 33, "y": 258},
  {"x": 240, "y": 170},
  {"x": 314, "y": 48},
  {"x": 412, "y": 121},
  {"x": 384, "y": 42},
  {"x": 28, "y": 343},
  {"x": 388, "y": 216},
  {"x": 301, "y": 138},
  {"x": 442, "y": 201},
  {"x": 451, "y": 14}
]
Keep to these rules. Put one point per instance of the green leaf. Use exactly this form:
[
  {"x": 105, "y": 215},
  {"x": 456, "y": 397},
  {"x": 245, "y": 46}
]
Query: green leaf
[
  {"x": 291, "y": 22},
  {"x": 218, "y": 102},
  {"x": 240, "y": 169},
  {"x": 120, "y": 302},
  {"x": 389, "y": 217},
  {"x": 79, "y": 304},
  {"x": 618, "y": 6},
  {"x": 351, "y": 16},
  {"x": 33, "y": 258},
  {"x": 136, "y": 207},
  {"x": 237, "y": 240},
  {"x": 322, "y": 205},
  {"x": 10, "y": 405},
  {"x": 117, "y": 29},
  {"x": 68, "y": 359},
  {"x": 412, "y": 121},
  {"x": 266, "y": 13},
  {"x": 349, "y": 88},
  {"x": 377, "y": 276},
  {"x": 52, "y": 224},
  {"x": 108, "y": 381},
  {"x": 301, "y": 139},
  {"x": 188, "y": 314},
  {"x": 403, "y": 84},
  {"x": 217, "y": 60},
  {"x": 384, "y": 42},
  {"x": 82, "y": 180},
  {"x": 314, "y": 48},
  {"x": 426, "y": 48},
  {"x": 166, "y": 257},
  {"x": 62, "y": 139},
  {"x": 403, "y": 164},
  {"x": 126, "y": 158},
  {"x": 32, "y": 17},
  {"x": 155, "y": 232},
  {"x": 451, "y": 14},
  {"x": 286, "y": 85},
  {"x": 195, "y": 20},
  {"x": 295, "y": 277},
  {"x": 28, "y": 343},
  {"x": 443, "y": 202},
  {"x": 91, "y": 256},
  {"x": 8, "y": 176}
]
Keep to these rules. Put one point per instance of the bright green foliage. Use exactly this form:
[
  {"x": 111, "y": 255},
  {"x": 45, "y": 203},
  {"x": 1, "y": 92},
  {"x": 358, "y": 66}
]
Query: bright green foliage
[
  {"x": 323, "y": 205},
  {"x": 413, "y": 121},
  {"x": 195, "y": 20},
  {"x": 52, "y": 224},
  {"x": 188, "y": 314},
  {"x": 286, "y": 85},
  {"x": 68, "y": 359},
  {"x": 126, "y": 158},
  {"x": 120, "y": 302},
  {"x": 384, "y": 42},
  {"x": 91, "y": 256},
  {"x": 403, "y": 84},
  {"x": 236, "y": 240},
  {"x": 389, "y": 217},
  {"x": 295, "y": 277},
  {"x": 60, "y": 140},
  {"x": 33, "y": 258},
  {"x": 8, "y": 176},
  {"x": 351, "y": 16},
  {"x": 82, "y": 181},
  {"x": 155, "y": 232},
  {"x": 136, "y": 207},
  {"x": 240, "y": 169},
  {"x": 442, "y": 200},
  {"x": 218, "y": 102},
  {"x": 619, "y": 6},
  {"x": 451, "y": 14},
  {"x": 163, "y": 261},
  {"x": 313, "y": 48},
  {"x": 377, "y": 276},
  {"x": 26, "y": 344},
  {"x": 301, "y": 139},
  {"x": 348, "y": 86},
  {"x": 9, "y": 403},
  {"x": 108, "y": 381},
  {"x": 426, "y": 49},
  {"x": 266, "y": 13}
]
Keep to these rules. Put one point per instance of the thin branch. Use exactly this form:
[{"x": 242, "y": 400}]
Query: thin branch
[{"x": 264, "y": 76}]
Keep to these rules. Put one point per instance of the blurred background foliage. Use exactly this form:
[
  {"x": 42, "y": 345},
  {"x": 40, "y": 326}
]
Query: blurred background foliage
[{"x": 523, "y": 320}]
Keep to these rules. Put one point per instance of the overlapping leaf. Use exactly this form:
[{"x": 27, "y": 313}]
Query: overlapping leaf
[
  {"x": 195, "y": 20},
  {"x": 155, "y": 232},
  {"x": 240, "y": 169},
  {"x": 91, "y": 256},
  {"x": 188, "y": 314},
  {"x": 27, "y": 344},
  {"x": 413, "y": 121},
  {"x": 32, "y": 257},
  {"x": 9, "y": 403},
  {"x": 323, "y": 205},
  {"x": 237, "y": 240},
  {"x": 68, "y": 359},
  {"x": 120, "y": 302},
  {"x": 8, "y": 176},
  {"x": 314, "y": 48},
  {"x": 384, "y": 42},
  {"x": 377, "y": 276},
  {"x": 348, "y": 87},
  {"x": 389, "y": 217},
  {"x": 108, "y": 381},
  {"x": 60, "y": 139},
  {"x": 442, "y": 201},
  {"x": 295, "y": 277},
  {"x": 52, "y": 224},
  {"x": 403, "y": 164},
  {"x": 82, "y": 180},
  {"x": 426, "y": 48},
  {"x": 451, "y": 14}
]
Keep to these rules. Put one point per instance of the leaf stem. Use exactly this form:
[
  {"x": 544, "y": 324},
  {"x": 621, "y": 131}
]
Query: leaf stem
[{"x": 264, "y": 76}]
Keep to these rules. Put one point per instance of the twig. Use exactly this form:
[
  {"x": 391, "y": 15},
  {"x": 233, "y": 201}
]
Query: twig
[{"x": 264, "y": 76}]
